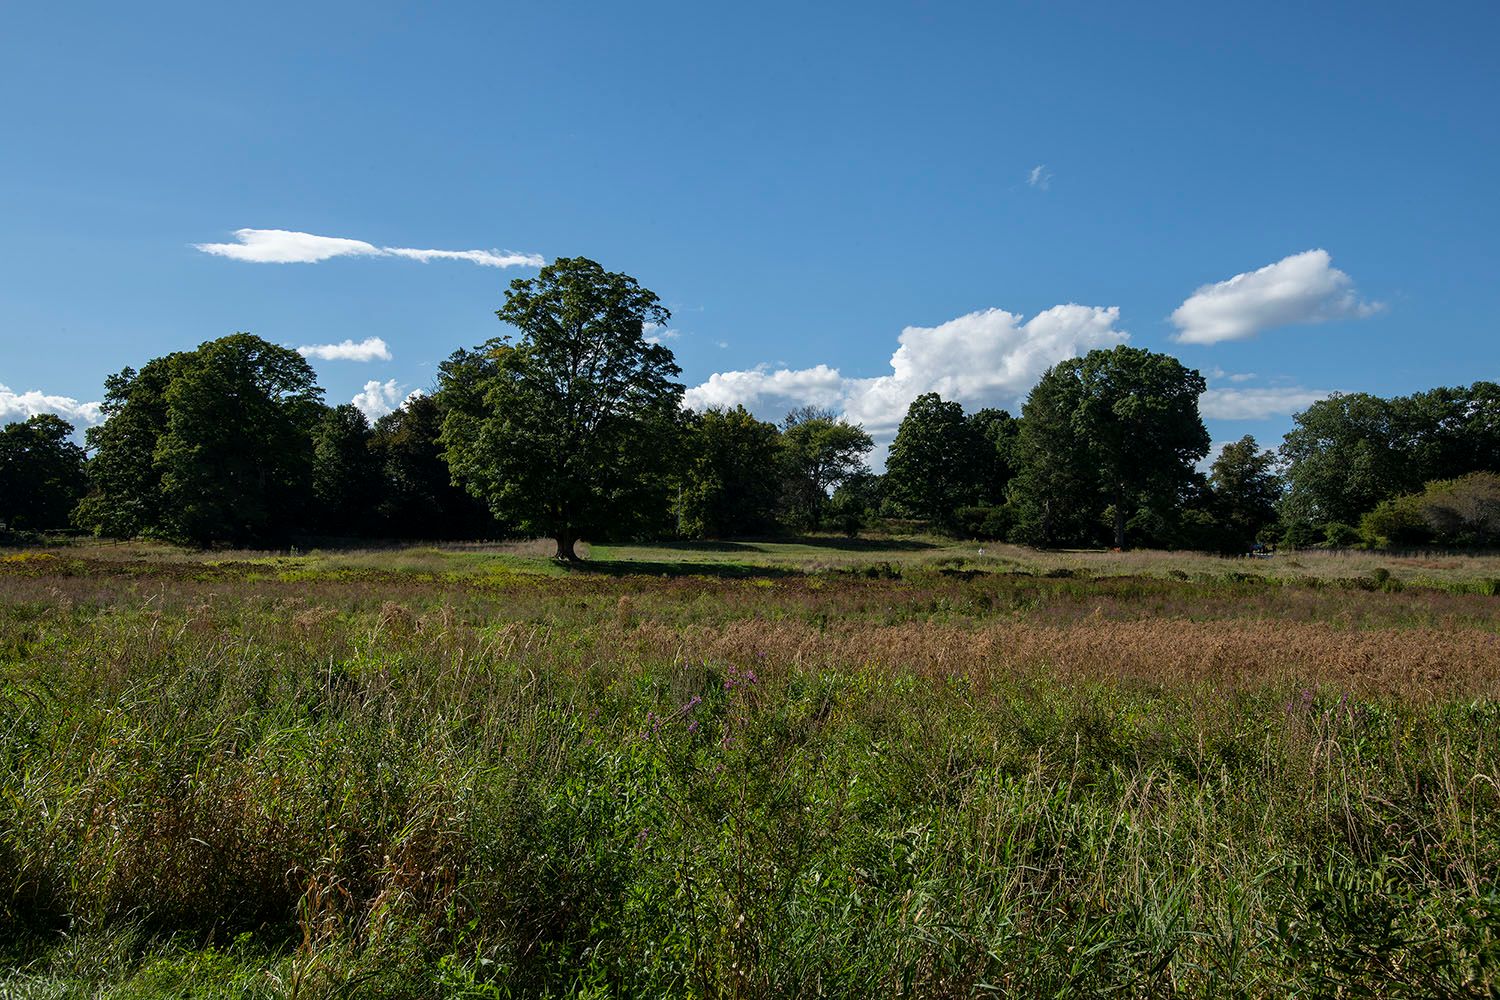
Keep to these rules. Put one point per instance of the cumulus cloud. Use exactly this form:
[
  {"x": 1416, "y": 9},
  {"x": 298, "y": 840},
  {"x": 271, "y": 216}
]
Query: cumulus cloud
[
  {"x": 1258, "y": 404},
  {"x": 1039, "y": 177},
  {"x": 378, "y": 398},
  {"x": 282, "y": 246},
  {"x": 985, "y": 358},
  {"x": 369, "y": 349},
  {"x": 18, "y": 406},
  {"x": 1302, "y": 288}
]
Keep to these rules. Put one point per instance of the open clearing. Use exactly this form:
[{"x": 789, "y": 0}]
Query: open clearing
[{"x": 831, "y": 767}]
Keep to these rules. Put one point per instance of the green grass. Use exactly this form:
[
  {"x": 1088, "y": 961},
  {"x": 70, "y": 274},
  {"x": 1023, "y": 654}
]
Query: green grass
[{"x": 439, "y": 772}]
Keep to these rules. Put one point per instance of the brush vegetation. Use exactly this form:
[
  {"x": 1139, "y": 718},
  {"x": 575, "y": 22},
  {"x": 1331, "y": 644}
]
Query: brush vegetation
[{"x": 807, "y": 770}]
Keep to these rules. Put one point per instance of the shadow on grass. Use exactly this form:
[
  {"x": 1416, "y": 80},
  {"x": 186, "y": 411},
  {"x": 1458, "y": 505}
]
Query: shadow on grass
[
  {"x": 647, "y": 567},
  {"x": 833, "y": 542}
]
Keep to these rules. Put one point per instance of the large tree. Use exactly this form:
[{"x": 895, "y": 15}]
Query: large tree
[
  {"x": 1343, "y": 457},
  {"x": 1055, "y": 489},
  {"x": 1246, "y": 489},
  {"x": 730, "y": 481},
  {"x": 41, "y": 473},
  {"x": 207, "y": 445},
  {"x": 931, "y": 470},
  {"x": 1131, "y": 415},
  {"x": 568, "y": 430},
  {"x": 819, "y": 452}
]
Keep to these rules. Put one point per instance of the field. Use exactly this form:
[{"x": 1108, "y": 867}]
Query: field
[{"x": 828, "y": 768}]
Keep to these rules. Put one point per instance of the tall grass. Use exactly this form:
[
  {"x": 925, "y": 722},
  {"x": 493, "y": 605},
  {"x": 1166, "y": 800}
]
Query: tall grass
[
  {"x": 226, "y": 791},
  {"x": 240, "y": 798}
]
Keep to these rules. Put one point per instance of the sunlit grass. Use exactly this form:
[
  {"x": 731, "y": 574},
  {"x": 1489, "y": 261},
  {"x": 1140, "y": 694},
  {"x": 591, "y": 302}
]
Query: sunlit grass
[{"x": 437, "y": 771}]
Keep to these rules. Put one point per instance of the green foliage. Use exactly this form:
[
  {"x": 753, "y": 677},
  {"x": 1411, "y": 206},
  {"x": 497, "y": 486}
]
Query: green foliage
[
  {"x": 932, "y": 463},
  {"x": 125, "y": 489},
  {"x": 1349, "y": 452},
  {"x": 346, "y": 472},
  {"x": 1115, "y": 430},
  {"x": 995, "y": 432},
  {"x": 41, "y": 474},
  {"x": 218, "y": 798},
  {"x": 571, "y": 429},
  {"x": 1247, "y": 489},
  {"x": 1055, "y": 491},
  {"x": 989, "y": 523},
  {"x": 857, "y": 502},
  {"x": 417, "y": 498},
  {"x": 1337, "y": 535},
  {"x": 1454, "y": 512},
  {"x": 208, "y": 445},
  {"x": 819, "y": 452},
  {"x": 732, "y": 475}
]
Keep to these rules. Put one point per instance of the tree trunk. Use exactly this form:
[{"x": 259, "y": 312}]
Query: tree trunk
[
  {"x": 565, "y": 552},
  {"x": 1120, "y": 524}
]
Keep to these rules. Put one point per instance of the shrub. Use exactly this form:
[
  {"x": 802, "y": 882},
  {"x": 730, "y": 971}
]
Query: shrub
[{"x": 989, "y": 523}]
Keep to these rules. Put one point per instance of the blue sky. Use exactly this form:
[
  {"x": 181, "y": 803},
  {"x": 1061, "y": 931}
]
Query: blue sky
[{"x": 801, "y": 183}]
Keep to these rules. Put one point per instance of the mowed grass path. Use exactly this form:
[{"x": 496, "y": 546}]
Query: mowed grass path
[{"x": 823, "y": 768}]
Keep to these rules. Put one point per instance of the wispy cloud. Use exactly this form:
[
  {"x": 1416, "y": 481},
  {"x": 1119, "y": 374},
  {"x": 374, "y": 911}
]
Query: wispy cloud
[
  {"x": 658, "y": 333},
  {"x": 1039, "y": 178},
  {"x": 369, "y": 349},
  {"x": 986, "y": 358},
  {"x": 1220, "y": 375},
  {"x": 1258, "y": 404},
  {"x": 17, "y": 406},
  {"x": 1302, "y": 288},
  {"x": 282, "y": 246}
]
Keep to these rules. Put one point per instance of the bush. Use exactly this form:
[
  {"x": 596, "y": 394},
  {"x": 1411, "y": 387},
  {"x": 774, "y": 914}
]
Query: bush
[
  {"x": 984, "y": 522},
  {"x": 1450, "y": 512},
  {"x": 1337, "y": 535},
  {"x": 1395, "y": 522}
]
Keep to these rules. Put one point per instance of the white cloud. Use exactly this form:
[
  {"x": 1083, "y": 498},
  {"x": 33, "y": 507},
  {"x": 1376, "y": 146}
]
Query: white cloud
[
  {"x": 282, "y": 246},
  {"x": 379, "y": 398},
  {"x": 484, "y": 258},
  {"x": 1257, "y": 404},
  {"x": 982, "y": 359},
  {"x": 1219, "y": 374},
  {"x": 369, "y": 349},
  {"x": 1039, "y": 177},
  {"x": 1302, "y": 288},
  {"x": 18, "y": 406},
  {"x": 657, "y": 333}
]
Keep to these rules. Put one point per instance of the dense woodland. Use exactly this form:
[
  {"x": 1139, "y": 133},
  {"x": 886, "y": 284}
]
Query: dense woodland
[{"x": 574, "y": 428}]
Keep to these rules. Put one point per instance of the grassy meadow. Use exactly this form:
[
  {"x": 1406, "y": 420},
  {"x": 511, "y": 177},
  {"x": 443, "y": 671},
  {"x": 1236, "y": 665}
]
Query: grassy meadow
[{"x": 824, "y": 768}]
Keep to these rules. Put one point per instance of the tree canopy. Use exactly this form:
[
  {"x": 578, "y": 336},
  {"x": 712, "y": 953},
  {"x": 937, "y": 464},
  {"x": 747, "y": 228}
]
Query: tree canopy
[
  {"x": 1349, "y": 452},
  {"x": 1117, "y": 427},
  {"x": 42, "y": 474},
  {"x": 570, "y": 429},
  {"x": 731, "y": 476},
  {"x": 931, "y": 469},
  {"x": 819, "y": 452},
  {"x": 207, "y": 445}
]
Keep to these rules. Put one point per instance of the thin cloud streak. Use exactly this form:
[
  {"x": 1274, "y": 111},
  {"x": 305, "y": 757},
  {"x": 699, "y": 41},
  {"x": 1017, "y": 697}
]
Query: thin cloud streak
[
  {"x": 284, "y": 246},
  {"x": 369, "y": 349}
]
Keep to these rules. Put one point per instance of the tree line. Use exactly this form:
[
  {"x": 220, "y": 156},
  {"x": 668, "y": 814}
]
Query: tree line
[{"x": 573, "y": 427}]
